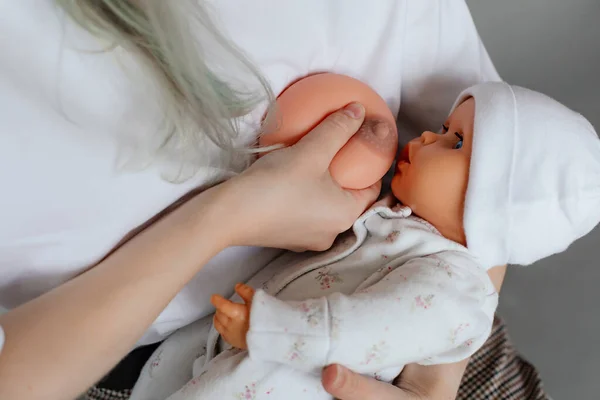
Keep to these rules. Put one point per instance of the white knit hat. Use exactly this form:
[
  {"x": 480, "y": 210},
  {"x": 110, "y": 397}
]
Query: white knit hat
[{"x": 534, "y": 181}]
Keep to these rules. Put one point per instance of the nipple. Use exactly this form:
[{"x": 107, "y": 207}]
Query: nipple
[{"x": 376, "y": 134}]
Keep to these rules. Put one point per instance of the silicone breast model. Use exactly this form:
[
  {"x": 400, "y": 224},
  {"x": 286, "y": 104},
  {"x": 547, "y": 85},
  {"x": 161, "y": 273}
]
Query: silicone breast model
[{"x": 367, "y": 156}]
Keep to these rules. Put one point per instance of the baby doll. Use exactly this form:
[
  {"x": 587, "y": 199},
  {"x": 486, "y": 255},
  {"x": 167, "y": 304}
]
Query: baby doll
[{"x": 512, "y": 177}]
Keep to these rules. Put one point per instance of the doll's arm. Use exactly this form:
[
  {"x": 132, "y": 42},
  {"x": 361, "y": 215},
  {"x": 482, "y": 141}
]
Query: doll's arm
[{"x": 435, "y": 309}]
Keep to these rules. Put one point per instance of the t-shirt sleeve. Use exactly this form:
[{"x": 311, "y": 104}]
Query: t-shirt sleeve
[{"x": 442, "y": 55}]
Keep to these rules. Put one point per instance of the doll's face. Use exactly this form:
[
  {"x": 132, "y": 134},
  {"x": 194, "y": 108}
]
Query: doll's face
[{"x": 433, "y": 171}]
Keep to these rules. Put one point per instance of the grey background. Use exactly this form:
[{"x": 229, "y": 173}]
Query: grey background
[{"x": 551, "y": 308}]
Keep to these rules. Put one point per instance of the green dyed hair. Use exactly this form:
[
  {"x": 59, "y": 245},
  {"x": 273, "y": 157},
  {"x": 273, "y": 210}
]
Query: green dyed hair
[{"x": 195, "y": 66}]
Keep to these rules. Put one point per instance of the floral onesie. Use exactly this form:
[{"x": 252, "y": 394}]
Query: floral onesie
[{"x": 392, "y": 292}]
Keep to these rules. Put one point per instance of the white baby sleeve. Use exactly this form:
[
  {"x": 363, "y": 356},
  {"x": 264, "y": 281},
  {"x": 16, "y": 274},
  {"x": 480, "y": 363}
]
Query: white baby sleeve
[{"x": 435, "y": 309}]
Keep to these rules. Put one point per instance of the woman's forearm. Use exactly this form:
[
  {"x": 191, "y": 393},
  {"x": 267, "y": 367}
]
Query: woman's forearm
[{"x": 62, "y": 342}]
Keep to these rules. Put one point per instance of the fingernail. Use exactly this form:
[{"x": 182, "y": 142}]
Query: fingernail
[
  {"x": 337, "y": 380},
  {"x": 354, "y": 110}
]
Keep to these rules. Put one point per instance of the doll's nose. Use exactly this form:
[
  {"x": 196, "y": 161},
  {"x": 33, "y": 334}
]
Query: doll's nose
[{"x": 428, "y": 137}]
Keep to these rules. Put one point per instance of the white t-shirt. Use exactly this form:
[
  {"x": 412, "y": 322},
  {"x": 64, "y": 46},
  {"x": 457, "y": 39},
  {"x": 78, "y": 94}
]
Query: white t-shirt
[{"x": 66, "y": 113}]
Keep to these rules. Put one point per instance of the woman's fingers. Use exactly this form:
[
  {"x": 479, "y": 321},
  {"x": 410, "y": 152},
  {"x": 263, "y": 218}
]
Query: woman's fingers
[
  {"x": 366, "y": 197},
  {"x": 288, "y": 198},
  {"x": 439, "y": 381},
  {"x": 344, "y": 384},
  {"x": 333, "y": 133}
]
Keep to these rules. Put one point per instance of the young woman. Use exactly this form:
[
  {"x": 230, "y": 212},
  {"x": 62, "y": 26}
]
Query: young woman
[{"x": 112, "y": 110}]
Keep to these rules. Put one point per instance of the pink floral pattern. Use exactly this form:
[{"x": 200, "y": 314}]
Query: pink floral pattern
[
  {"x": 392, "y": 237},
  {"x": 156, "y": 362},
  {"x": 296, "y": 353},
  {"x": 424, "y": 301},
  {"x": 457, "y": 331},
  {"x": 313, "y": 313},
  {"x": 376, "y": 354},
  {"x": 327, "y": 278},
  {"x": 445, "y": 267},
  {"x": 384, "y": 270},
  {"x": 249, "y": 392},
  {"x": 192, "y": 383}
]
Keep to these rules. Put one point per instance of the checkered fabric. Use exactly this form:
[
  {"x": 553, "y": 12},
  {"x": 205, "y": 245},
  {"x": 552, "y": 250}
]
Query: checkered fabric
[
  {"x": 97, "y": 393},
  {"x": 495, "y": 372}
]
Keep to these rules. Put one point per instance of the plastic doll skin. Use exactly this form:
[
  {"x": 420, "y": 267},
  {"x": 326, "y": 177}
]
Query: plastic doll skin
[
  {"x": 366, "y": 157},
  {"x": 232, "y": 320},
  {"x": 433, "y": 170},
  {"x": 431, "y": 178}
]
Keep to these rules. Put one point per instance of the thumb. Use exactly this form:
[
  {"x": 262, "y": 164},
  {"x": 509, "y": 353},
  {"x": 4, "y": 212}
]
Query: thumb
[
  {"x": 333, "y": 132},
  {"x": 344, "y": 384}
]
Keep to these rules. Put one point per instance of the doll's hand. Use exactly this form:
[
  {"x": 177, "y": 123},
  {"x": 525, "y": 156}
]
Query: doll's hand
[{"x": 232, "y": 320}]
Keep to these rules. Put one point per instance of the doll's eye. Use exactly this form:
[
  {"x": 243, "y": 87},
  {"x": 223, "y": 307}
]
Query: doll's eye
[
  {"x": 458, "y": 144},
  {"x": 445, "y": 128}
]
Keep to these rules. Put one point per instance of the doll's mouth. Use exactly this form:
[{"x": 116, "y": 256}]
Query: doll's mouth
[
  {"x": 403, "y": 159},
  {"x": 400, "y": 166},
  {"x": 405, "y": 155}
]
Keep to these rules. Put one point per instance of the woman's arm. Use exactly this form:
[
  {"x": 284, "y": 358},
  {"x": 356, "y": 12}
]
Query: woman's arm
[
  {"x": 62, "y": 342},
  {"x": 417, "y": 382}
]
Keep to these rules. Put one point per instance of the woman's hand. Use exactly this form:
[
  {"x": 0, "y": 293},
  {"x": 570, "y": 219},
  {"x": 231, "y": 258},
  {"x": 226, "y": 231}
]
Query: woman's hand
[
  {"x": 288, "y": 198},
  {"x": 416, "y": 382}
]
